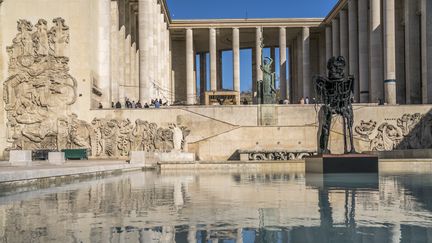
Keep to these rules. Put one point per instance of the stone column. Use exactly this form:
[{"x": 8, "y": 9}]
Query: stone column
[
  {"x": 389, "y": 52},
  {"x": 400, "y": 52},
  {"x": 353, "y": 46},
  {"x": 190, "y": 94},
  {"x": 236, "y": 62},
  {"x": 127, "y": 67},
  {"x": 336, "y": 37},
  {"x": 114, "y": 52},
  {"x": 121, "y": 53},
  {"x": 103, "y": 52},
  {"x": 426, "y": 33},
  {"x": 376, "y": 61},
  {"x": 299, "y": 64},
  {"x": 273, "y": 57},
  {"x": 344, "y": 47},
  {"x": 219, "y": 85},
  {"x": 329, "y": 43},
  {"x": 258, "y": 42},
  {"x": 412, "y": 53},
  {"x": 203, "y": 77},
  {"x": 145, "y": 34},
  {"x": 213, "y": 60},
  {"x": 363, "y": 51},
  {"x": 306, "y": 61},
  {"x": 283, "y": 63}
]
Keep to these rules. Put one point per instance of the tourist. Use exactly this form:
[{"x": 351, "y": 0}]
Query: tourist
[
  {"x": 112, "y": 104},
  {"x": 302, "y": 101},
  {"x": 306, "y": 101},
  {"x": 133, "y": 105},
  {"x": 118, "y": 105},
  {"x": 100, "y": 106},
  {"x": 138, "y": 105},
  {"x": 157, "y": 104},
  {"x": 160, "y": 102},
  {"x": 380, "y": 101},
  {"x": 286, "y": 101},
  {"x": 245, "y": 102},
  {"x": 146, "y": 106}
]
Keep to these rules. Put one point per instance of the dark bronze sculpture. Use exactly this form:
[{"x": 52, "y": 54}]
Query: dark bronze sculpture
[
  {"x": 266, "y": 87},
  {"x": 335, "y": 93}
]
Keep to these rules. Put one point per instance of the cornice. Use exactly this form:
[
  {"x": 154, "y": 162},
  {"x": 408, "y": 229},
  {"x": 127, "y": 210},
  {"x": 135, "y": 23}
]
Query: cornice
[
  {"x": 335, "y": 11},
  {"x": 246, "y": 23}
]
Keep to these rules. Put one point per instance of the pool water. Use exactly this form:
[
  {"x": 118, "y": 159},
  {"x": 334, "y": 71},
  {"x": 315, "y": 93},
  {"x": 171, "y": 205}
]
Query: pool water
[{"x": 270, "y": 206}]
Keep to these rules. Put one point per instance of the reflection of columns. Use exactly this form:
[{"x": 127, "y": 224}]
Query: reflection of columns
[
  {"x": 335, "y": 37},
  {"x": 213, "y": 64},
  {"x": 353, "y": 46},
  {"x": 189, "y": 68},
  {"x": 258, "y": 42},
  {"x": 363, "y": 51},
  {"x": 306, "y": 61},
  {"x": 426, "y": 33},
  {"x": 192, "y": 234},
  {"x": 239, "y": 238},
  {"x": 283, "y": 64},
  {"x": 203, "y": 77},
  {"x": 329, "y": 45},
  {"x": 103, "y": 52},
  {"x": 376, "y": 63},
  {"x": 145, "y": 34},
  {"x": 389, "y": 52},
  {"x": 343, "y": 24},
  {"x": 236, "y": 62}
]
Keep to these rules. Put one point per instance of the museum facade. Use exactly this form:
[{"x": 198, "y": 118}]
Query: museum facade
[{"x": 61, "y": 60}]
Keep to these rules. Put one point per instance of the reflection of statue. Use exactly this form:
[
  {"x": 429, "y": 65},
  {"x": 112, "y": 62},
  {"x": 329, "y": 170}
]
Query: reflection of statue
[
  {"x": 266, "y": 87},
  {"x": 336, "y": 93}
]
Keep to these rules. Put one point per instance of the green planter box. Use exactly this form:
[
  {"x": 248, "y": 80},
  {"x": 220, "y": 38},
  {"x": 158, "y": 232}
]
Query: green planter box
[{"x": 75, "y": 153}]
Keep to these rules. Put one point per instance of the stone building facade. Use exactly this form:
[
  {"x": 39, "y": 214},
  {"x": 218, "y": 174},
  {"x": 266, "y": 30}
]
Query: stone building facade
[{"x": 59, "y": 59}]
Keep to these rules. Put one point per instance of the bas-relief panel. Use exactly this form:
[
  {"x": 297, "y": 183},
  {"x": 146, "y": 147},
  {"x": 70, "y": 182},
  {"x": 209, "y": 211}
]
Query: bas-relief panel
[
  {"x": 40, "y": 90},
  {"x": 410, "y": 131}
]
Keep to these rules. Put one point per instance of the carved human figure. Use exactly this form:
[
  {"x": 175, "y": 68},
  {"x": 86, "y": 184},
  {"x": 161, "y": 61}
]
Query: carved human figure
[
  {"x": 40, "y": 37},
  {"x": 59, "y": 37},
  {"x": 24, "y": 40},
  {"x": 177, "y": 137},
  {"x": 268, "y": 92}
]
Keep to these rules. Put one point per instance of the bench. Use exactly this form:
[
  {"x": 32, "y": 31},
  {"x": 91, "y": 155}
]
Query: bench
[
  {"x": 41, "y": 154},
  {"x": 75, "y": 153}
]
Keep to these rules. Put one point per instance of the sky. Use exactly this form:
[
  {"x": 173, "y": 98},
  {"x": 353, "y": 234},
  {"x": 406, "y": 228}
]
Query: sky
[{"x": 217, "y": 9}]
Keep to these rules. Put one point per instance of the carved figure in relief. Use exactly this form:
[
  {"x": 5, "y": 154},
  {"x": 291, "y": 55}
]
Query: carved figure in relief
[
  {"x": 39, "y": 91},
  {"x": 59, "y": 37},
  {"x": 40, "y": 38}
]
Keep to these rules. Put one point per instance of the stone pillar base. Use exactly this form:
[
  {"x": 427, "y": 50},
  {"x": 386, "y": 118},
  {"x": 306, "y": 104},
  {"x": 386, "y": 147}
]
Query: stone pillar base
[
  {"x": 20, "y": 157},
  {"x": 56, "y": 158},
  {"x": 137, "y": 157}
]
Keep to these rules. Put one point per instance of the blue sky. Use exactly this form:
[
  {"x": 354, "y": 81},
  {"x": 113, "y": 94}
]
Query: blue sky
[{"x": 215, "y": 9}]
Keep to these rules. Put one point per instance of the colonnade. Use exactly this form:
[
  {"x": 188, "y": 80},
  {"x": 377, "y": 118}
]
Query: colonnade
[
  {"x": 215, "y": 60},
  {"x": 386, "y": 45}
]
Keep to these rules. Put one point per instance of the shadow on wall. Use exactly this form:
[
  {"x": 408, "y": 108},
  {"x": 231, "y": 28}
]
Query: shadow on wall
[{"x": 416, "y": 131}]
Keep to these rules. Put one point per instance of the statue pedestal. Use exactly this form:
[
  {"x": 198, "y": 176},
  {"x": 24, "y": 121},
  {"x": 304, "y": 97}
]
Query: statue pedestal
[
  {"x": 343, "y": 163},
  {"x": 20, "y": 157},
  {"x": 176, "y": 156},
  {"x": 56, "y": 158}
]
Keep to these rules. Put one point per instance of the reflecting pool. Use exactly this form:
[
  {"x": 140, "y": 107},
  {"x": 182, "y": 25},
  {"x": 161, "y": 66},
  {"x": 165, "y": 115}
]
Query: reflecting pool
[{"x": 279, "y": 206}]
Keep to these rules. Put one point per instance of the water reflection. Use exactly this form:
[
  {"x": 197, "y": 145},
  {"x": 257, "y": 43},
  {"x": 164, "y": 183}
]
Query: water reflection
[{"x": 224, "y": 207}]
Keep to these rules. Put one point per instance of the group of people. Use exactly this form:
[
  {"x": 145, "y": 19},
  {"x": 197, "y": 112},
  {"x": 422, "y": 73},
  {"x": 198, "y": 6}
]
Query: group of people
[{"x": 155, "y": 103}]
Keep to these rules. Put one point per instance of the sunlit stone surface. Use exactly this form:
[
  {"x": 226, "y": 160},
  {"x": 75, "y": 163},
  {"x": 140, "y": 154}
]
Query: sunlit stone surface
[{"x": 267, "y": 206}]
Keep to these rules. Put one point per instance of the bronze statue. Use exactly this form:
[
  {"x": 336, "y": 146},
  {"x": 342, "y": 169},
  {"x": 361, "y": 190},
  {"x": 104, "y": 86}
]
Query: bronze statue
[
  {"x": 266, "y": 87},
  {"x": 335, "y": 93}
]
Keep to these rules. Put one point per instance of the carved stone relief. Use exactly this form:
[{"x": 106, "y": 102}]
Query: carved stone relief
[
  {"x": 40, "y": 89},
  {"x": 411, "y": 131}
]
